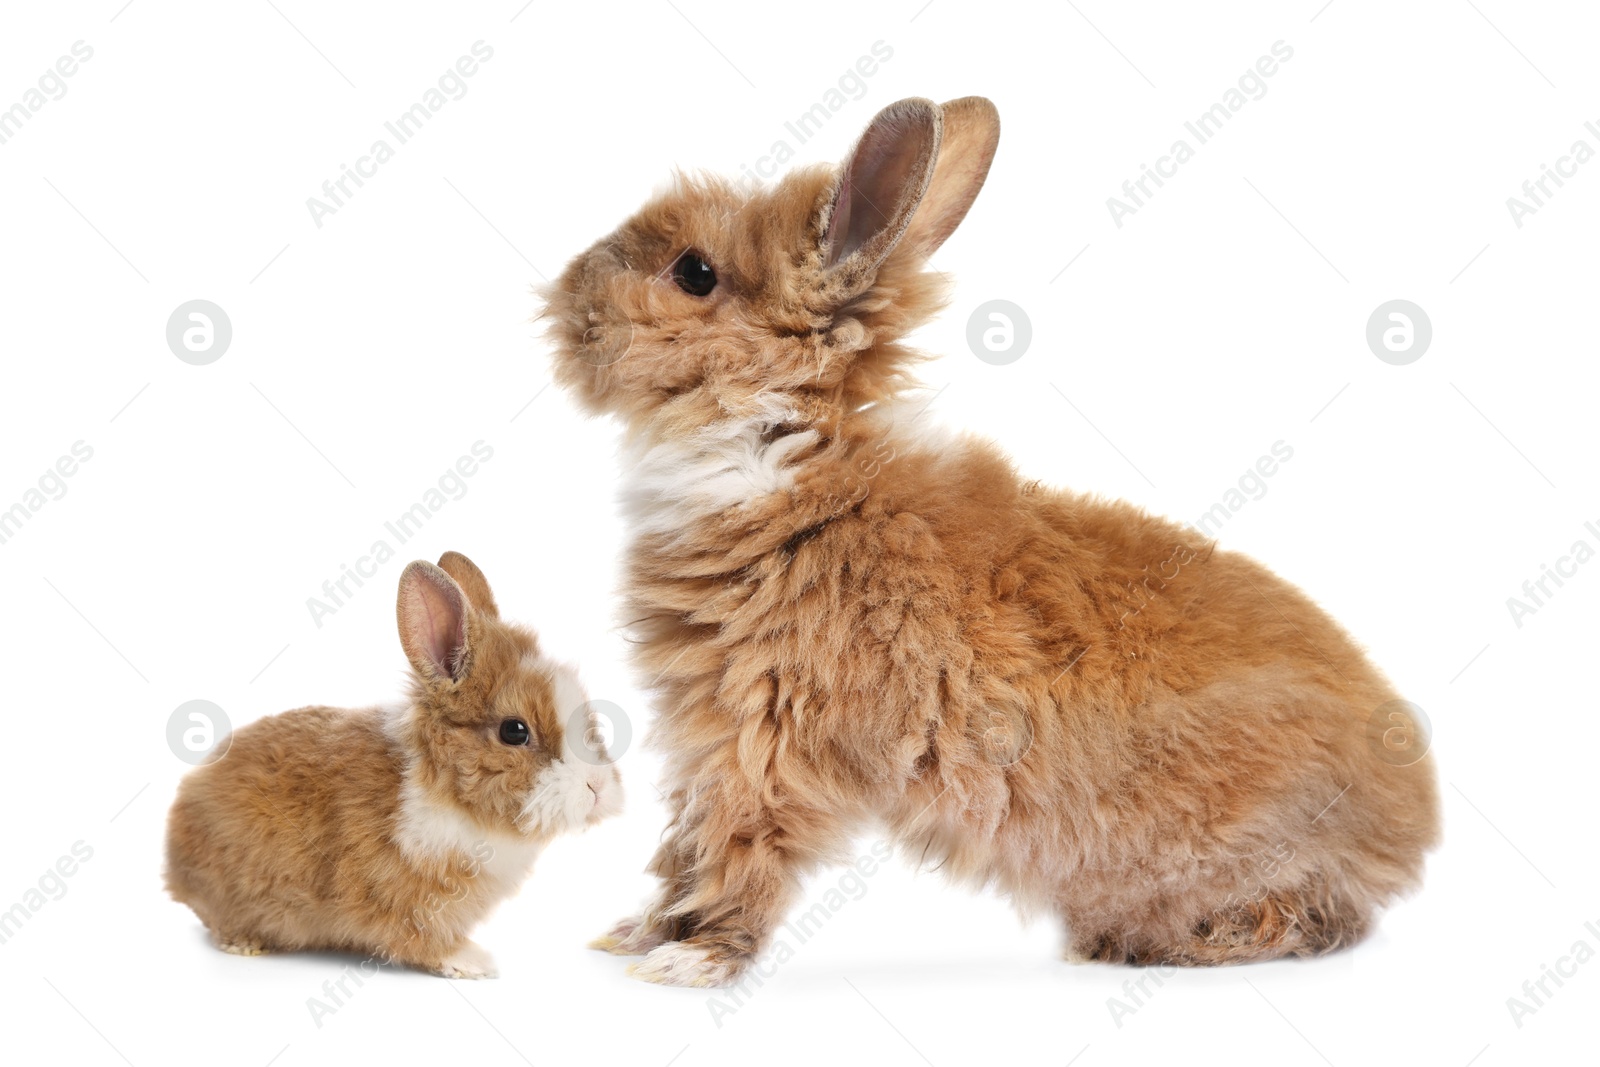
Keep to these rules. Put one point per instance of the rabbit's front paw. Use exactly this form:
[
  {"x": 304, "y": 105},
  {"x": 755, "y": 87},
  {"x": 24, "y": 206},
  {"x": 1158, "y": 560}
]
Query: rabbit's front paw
[
  {"x": 240, "y": 945},
  {"x": 689, "y": 963},
  {"x": 471, "y": 960},
  {"x": 633, "y": 936}
]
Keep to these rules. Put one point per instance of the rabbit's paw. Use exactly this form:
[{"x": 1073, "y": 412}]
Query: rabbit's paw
[
  {"x": 633, "y": 936},
  {"x": 240, "y": 945},
  {"x": 471, "y": 960},
  {"x": 689, "y": 963}
]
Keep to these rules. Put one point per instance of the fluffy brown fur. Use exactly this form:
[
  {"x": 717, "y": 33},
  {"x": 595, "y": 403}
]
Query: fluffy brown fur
[
  {"x": 392, "y": 832},
  {"x": 846, "y": 618}
]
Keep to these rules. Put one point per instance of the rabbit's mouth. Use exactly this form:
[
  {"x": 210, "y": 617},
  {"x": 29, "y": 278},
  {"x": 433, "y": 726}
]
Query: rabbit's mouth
[
  {"x": 588, "y": 327},
  {"x": 606, "y": 343},
  {"x": 607, "y": 795}
]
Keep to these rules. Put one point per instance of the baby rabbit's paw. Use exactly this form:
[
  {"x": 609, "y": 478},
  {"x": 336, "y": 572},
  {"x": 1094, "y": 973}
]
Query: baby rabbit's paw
[
  {"x": 471, "y": 960},
  {"x": 239, "y": 945},
  {"x": 689, "y": 963}
]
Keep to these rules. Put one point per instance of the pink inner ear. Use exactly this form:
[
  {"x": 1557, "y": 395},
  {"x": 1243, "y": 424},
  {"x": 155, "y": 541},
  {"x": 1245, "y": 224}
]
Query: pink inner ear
[
  {"x": 440, "y": 626},
  {"x": 883, "y": 181},
  {"x": 840, "y": 223},
  {"x": 442, "y": 633}
]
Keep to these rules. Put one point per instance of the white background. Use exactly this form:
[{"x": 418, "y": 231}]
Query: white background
[{"x": 368, "y": 354}]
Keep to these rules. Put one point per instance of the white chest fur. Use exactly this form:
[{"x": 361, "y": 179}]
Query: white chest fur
[
  {"x": 430, "y": 831},
  {"x": 670, "y": 483}
]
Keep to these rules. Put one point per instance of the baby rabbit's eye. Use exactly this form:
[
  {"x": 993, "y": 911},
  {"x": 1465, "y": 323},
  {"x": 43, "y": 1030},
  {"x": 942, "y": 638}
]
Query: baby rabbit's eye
[
  {"x": 514, "y": 732},
  {"x": 694, "y": 275}
]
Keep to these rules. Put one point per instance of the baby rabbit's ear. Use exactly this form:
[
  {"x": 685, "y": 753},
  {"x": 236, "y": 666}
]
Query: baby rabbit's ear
[
  {"x": 432, "y": 611},
  {"x": 909, "y": 181},
  {"x": 471, "y": 581}
]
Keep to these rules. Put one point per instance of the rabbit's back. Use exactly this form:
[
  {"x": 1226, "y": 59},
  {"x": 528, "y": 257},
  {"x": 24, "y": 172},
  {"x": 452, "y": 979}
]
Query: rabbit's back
[{"x": 274, "y": 832}]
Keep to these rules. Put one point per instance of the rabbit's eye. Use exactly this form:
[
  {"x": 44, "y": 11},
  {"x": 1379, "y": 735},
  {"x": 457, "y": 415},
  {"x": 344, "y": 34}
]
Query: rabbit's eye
[
  {"x": 514, "y": 732},
  {"x": 694, "y": 275}
]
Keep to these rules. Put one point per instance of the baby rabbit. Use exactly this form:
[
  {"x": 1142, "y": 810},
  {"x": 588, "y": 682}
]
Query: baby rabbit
[
  {"x": 393, "y": 831},
  {"x": 847, "y": 616}
]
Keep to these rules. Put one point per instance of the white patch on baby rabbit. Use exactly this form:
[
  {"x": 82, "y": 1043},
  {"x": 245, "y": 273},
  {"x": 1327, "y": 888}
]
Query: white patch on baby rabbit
[
  {"x": 573, "y": 791},
  {"x": 680, "y": 963},
  {"x": 570, "y": 794},
  {"x": 569, "y": 694},
  {"x": 428, "y": 829},
  {"x": 675, "y": 481}
]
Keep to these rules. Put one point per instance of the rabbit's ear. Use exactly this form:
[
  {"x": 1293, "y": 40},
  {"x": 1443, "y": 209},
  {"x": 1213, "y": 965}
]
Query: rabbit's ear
[
  {"x": 966, "y": 148},
  {"x": 881, "y": 185},
  {"x": 910, "y": 180},
  {"x": 471, "y": 581},
  {"x": 432, "y": 612}
]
